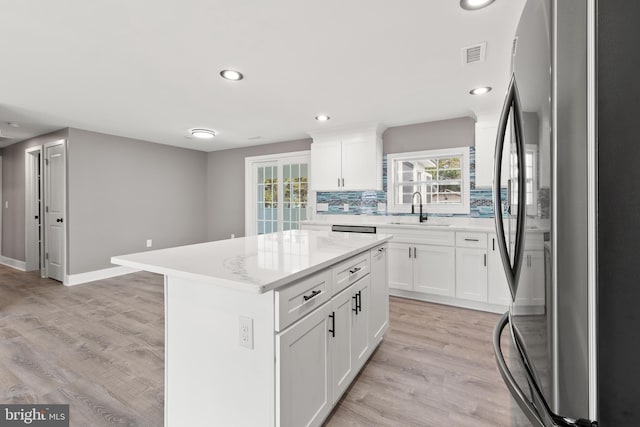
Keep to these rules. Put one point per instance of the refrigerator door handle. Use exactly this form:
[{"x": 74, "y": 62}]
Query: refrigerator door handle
[
  {"x": 515, "y": 390},
  {"x": 512, "y": 102}
]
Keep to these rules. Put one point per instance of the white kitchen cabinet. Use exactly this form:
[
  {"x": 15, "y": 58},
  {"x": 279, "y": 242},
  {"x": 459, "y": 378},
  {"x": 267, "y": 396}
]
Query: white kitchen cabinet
[
  {"x": 434, "y": 269},
  {"x": 531, "y": 290},
  {"x": 340, "y": 332},
  {"x": 360, "y": 322},
  {"x": 379, "y": 314},
  {"x": 400, "y": 266},
  {"x": 471, "y": 274},
  {"x": 346, "y": 160},
  {"x": 303, "y": 364},
  {"x": 498, "y": 286},
  {"x": 486, "y": 132}
]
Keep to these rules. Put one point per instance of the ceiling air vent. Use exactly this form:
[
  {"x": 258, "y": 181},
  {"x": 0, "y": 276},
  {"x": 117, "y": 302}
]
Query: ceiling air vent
[{"x": 474, "y": 53}]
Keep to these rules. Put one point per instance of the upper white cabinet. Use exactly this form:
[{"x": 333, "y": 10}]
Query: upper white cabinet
[
  {"x": 347, "y": 159},
  {"x": 486, "y": 132}
]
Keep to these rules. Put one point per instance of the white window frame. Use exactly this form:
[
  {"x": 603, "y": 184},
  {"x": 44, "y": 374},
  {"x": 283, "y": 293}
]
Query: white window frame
[
  {"x": 463, "y": 208},
  {"x": 251, "y": 196}
]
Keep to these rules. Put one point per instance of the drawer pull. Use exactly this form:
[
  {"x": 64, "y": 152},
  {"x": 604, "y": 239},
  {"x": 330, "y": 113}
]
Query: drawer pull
[
  {"x": 381, "y": 250},
  {"x": 355, "y": 298},
  {"x": 333, "y": 324},
  {"x": 355, "y": 270},
  {"x": 471, "y": 240},
  {"x": 313, "y": 295}
]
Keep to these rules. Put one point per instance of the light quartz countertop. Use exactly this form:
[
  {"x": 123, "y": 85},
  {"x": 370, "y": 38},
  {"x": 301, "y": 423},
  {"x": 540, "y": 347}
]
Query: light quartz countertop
[
  {"x": 484, "y": 225},
  {"x": 255, "y": 263}
]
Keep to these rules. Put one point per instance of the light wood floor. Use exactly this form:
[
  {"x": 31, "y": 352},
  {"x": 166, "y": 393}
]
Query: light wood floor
[{"x": 100, "y": 348}]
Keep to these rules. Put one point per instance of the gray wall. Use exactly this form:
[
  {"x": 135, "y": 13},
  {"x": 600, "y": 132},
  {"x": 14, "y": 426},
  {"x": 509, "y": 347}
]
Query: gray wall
[
  {"x": 124, "y": 191},
  {"x": 13, "y": 192},
  {"x": 225, "y": 180},
  {"x": 459, "y": 132}
]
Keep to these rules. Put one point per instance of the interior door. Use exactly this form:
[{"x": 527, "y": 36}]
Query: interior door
[{"x": 55, "y": 210}]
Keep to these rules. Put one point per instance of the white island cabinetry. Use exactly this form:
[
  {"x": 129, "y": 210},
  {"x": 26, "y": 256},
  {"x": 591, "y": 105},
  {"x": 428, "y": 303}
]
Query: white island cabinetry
[{"x": 267, "y": 330}]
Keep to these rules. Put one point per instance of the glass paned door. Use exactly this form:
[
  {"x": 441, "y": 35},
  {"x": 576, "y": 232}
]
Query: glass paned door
[
  {"x": 280, "y": 191},
  {"x": 267, "y": 197}
]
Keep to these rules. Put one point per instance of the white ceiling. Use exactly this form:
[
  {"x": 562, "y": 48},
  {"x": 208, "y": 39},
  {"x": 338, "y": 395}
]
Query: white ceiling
[{"x": 149, "y": 69}]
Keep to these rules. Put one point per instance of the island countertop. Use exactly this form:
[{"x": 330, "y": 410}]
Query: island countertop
[{"x": 255, "y": 263}]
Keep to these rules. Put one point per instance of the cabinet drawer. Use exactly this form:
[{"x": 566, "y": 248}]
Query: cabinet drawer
[
  {"x": 465, "y": 239},
  {"x": 300, "y": 298},
  {"x": 349, "y": 271}
]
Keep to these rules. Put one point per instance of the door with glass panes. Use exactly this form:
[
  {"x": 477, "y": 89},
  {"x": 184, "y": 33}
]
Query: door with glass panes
[{"x": 280, "y": 188}]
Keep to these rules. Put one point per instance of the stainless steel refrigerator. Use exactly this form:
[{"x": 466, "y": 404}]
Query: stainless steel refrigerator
[{"x": 546, "y": 344}]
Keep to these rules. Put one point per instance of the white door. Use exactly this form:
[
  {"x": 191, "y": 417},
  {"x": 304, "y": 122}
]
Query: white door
[
  {"x": 303, "y": 387},
  {"x": 55, "y": 210},
  {"x": 340, "y": 333},
  {"x": 471, "y": 274},
  {"x": 400, "y": 267},
  {"x": 360, "y": 322},
  {"x": 327, "y": 165},
  {"x": 434, "y": 270},
  {"x": 379, "y": 314},
  {"x": 498, "y": 287}
]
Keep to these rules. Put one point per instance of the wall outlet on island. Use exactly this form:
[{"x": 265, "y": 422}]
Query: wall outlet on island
[
  {"x": 149, "y": 243},
  {"x": 246, "y": 332}
]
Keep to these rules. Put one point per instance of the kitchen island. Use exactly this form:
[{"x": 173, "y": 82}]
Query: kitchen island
[{"x": 267, "y": 330}]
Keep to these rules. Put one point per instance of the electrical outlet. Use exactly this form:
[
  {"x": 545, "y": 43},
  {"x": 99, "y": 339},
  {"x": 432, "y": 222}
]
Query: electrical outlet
[
  {"x": 246, "y": 332},
  {"x": 345, "y": 207},
  {"x": 233, "y": 236},
  {"x": 322, "y": 207},
  {"x": 149, "y": 243}
]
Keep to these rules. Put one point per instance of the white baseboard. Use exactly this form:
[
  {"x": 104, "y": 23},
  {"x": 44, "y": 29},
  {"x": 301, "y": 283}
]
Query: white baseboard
[
  {"x": 92, "y": 276},
  {"x": 457, "y": 302},
  {"x": 13, "y": 263}
]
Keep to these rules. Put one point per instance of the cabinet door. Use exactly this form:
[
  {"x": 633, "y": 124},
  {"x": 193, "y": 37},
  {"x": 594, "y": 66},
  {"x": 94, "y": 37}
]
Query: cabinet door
[
  {"x": 471, "y": 274},
  {"x": 360, "y": 322},
  {"x": 498, "y": 286},
  {"x": 359, "y": 164},
  {"x": 434, "y": 269},
  {"x": 341, "y": 361},
  {"x": 302, "y": 371},
  {"x": 400, "y": 266},
  {"x": 325, "y": 165},
  {"x": 379, "y": 301},
  {"x": 538, "y": 284}
]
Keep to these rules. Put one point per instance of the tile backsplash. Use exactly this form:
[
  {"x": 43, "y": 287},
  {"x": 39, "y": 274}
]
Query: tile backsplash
[{"x": 366, "y": 202}]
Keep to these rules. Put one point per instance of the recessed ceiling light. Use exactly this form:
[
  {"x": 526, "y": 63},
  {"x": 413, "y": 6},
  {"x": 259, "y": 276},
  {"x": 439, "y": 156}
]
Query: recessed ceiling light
[
  {"x": 480, "y": 90},
  {"x": 203, "y": 133},
  {"x": 231, "y": 75},
  {"x": 322, "y": 118},
  {"x": 474, "y": 4}
]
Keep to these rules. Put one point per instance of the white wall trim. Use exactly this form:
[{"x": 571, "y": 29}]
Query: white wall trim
[
  {"x": 92, "y": 276},
  {"x": 13, "y": 263}
]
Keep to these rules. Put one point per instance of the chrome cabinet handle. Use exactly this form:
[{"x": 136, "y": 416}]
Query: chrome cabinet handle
[
  {"x": 343, "y": 182},
  {"x": 485, "y": 260},
  {"x": 409, "y": 251},
  {"x": 338, "y": 182},
  {"x": 312, "y": 295},
  {"x": 415, "y": 254}
]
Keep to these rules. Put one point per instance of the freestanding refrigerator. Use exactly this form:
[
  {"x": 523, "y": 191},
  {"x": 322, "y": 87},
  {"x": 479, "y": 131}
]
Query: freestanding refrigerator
[{"x": 546, "y": 345}]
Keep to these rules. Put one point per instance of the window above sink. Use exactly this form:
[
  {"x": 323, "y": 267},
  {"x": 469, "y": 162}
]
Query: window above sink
[{"x": 440, "y": 176}]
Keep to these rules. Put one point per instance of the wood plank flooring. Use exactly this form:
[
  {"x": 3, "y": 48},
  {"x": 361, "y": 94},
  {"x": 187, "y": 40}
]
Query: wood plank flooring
[{"x": 100, "y": 348}]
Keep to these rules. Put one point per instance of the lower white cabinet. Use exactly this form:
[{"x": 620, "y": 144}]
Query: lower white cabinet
[
  {"x": 319, "y": 356},
  {"x": 471, "y": 274},
  {"x": 422, "y": 268},
  {"x": 531, "y": 290},
  {"x": 303, "y": 369},
  {"x": 498, "y": 287}
]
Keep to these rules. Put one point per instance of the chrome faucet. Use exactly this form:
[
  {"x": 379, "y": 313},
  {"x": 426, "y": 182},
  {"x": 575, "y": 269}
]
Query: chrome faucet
[{"x": 413, "y": 211}]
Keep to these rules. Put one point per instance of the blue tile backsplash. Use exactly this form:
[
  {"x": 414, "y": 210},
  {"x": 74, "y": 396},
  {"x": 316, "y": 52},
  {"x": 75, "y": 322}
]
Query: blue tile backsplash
[{"x": 366, "y": 202}]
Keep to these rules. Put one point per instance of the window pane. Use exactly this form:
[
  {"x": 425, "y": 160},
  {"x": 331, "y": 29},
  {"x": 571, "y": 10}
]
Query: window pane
[
  {"x": 304, "y": 170},
  {"x": 260, "y": 227},
  {"x": 267, "y": 227},
  {"x": 286, "y": 172},
  {"x": 450, "y": 174},
  {"x": 449, "y": 163},
  {"x": 285, "y": 226}
]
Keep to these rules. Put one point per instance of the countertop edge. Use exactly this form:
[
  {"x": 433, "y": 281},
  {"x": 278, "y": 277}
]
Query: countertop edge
[{"x": 248, "y": 287}]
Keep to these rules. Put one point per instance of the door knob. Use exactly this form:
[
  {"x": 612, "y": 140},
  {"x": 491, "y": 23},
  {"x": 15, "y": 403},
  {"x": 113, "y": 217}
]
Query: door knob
[{"x": 59, "y": 220}]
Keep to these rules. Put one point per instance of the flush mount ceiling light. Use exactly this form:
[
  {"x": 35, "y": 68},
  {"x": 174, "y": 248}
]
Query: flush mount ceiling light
[
  {"x": 480, "y": 90},
  {"x": 474, "y": 4},
  {"x": 203, "y": 133},
  {"x": 322, "y": 118},
  {"x": 231, "y": 75}
]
